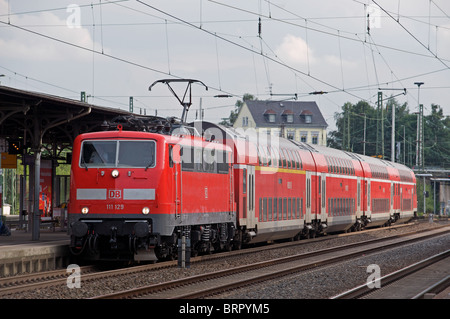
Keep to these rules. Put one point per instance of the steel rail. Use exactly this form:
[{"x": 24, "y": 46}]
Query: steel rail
[
  {"x": 362, "y": 290},
  {"x": 21, "y": 283},
  {"x": 356, "y": 250}
]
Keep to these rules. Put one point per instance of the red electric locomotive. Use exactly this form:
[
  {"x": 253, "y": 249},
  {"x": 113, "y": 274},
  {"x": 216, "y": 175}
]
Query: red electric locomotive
[{"x": 134, "y": 194}]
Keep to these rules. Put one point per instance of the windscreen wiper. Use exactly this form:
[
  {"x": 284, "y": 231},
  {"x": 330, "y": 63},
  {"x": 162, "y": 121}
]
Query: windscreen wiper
[{"x": 84, "y": 164}]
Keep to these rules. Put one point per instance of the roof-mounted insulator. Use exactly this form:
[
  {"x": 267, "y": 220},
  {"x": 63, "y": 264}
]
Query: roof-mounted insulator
[{"x": 259, "y": 27}]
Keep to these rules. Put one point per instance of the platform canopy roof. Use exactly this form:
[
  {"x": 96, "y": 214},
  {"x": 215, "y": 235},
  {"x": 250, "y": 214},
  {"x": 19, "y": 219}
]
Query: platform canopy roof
[{"x": 39, "y": 119}]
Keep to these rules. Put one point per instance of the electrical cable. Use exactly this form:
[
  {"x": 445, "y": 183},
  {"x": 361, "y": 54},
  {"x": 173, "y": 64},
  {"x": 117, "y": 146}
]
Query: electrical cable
[
  {"x": 413, "y": 36},
  {"x": 104, "y": 54},
  {"x": 249, "y": 49},
  {"x": 253, "y": 51}
]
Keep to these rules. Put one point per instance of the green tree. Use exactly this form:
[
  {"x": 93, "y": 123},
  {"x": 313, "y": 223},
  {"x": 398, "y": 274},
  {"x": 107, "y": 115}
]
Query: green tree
[
  {"x": 429, "y": 200},
  {"x": 351, "y": 123},
  {"x": 350, "y": 131},
  {"x": 229, "y": 121},
  {"x": 437, "y": 138}
]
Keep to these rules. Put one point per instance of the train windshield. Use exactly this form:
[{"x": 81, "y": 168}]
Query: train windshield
[{"x": 121, "y": 153}]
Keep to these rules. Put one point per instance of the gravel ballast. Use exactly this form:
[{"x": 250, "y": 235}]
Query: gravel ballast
[{"x": 320, "y": 283}]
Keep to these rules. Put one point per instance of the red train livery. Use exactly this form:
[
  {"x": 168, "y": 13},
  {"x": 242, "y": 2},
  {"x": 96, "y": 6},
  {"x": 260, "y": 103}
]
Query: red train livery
[{"x": 135, "y": 193}]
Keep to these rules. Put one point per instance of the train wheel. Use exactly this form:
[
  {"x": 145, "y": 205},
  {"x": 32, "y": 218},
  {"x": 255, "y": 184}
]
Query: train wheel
[
  {"x": 208, "y": 248},
  {"x": 173, "y": 253},
  {"x": 194, "y": 252},
  {"x": 228, "y": 247}
]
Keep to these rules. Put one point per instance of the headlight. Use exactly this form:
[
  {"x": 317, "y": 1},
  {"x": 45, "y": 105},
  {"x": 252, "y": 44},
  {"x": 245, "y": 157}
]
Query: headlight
[
  {"x": 145, "y": 210},
  {"x": 115, "y": 173},
  {"x": 85, "y": 210}
]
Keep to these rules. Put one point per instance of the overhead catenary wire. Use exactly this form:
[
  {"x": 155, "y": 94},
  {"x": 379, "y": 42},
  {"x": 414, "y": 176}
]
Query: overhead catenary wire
[
  {"x": 250, "y": 49},
  {"x": 378, "y": 46},
  {"x": 412, "y": 35},
  {"x": 307, "y": 46},
  {"x": 218, "y": 65},
  {"x": 266, "y": 66},
  {"x": 93, "y": 49},
  {"x": 351, "y": 36},
  {"x": 167, "y": 47},
  {"x": 341, "y": 37},
  {"x": 101, "y": 25},
  {"x": 114, "y": 57},
  {"x": 288, "y": 21},
  {"x": 342, "y": 67}
]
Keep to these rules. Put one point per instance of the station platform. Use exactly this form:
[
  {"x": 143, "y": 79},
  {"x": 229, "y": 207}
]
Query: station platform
[{"x": 20, "y": 254}]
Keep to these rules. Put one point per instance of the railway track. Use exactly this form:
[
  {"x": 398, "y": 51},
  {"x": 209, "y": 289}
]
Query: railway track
[
  {"x": 31, "y": 281},
  {"x": 18, "y": 284},
  {"x": 220, "y": 281},
  {"x": 412, "y": 282}
]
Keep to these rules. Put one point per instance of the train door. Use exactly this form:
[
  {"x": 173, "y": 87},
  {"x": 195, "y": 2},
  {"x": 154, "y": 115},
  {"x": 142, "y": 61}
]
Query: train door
[
  {"x": 175, "y": 164},
  {"x": 358, "y": 198},
  {"x": 392, "y": 199},
  {"x": 323, "y": 195},
  {"x": 250, "y": 190},
  {"x": 308, "y": 218},
  {"x": 229, "y": 160},
  {"x": 401, "y": 198}
]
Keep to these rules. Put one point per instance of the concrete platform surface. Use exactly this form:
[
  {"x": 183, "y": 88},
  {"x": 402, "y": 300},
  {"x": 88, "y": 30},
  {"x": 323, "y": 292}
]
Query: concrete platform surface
[
  {"x": 19, "y": 237},
  {"x": 20, "y": 254}
]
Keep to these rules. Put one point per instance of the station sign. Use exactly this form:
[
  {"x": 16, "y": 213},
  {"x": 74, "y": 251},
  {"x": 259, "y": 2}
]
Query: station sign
[{"x": 8, "y": 160}]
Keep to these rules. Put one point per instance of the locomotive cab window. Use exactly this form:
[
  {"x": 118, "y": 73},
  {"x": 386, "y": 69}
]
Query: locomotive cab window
[
  {"x": 136, "y": 154},
  {"x": 123, "y": 153},
  {"x": 98, "y": 153}
]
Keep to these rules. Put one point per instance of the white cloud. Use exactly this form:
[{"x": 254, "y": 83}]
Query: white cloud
[
  {"x": 21, "y": 44},
  {"x": 295, "y": 50}
]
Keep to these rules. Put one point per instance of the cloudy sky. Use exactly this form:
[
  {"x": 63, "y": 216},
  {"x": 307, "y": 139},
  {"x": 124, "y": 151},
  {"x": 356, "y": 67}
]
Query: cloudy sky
[{"x": 272, "y": 49}]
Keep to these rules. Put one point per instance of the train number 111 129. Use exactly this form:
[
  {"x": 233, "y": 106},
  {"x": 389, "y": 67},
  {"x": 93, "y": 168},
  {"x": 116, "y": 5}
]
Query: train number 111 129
[{"x": 115, "y": 206}]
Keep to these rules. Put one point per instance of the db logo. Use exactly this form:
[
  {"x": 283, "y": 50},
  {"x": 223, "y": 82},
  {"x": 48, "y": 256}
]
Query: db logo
[{"x": 114, "y": 193}]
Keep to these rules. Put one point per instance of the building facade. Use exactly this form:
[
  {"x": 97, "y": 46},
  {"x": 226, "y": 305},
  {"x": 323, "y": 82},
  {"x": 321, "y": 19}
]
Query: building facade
[{"x": 296, "y": 120}]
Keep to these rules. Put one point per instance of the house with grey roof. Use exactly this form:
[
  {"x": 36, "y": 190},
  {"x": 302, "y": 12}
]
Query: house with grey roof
[{"x": 297, "y": 120}]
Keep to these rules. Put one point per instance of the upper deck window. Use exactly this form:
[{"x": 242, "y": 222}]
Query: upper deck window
[{"x": 122, "y": 153}]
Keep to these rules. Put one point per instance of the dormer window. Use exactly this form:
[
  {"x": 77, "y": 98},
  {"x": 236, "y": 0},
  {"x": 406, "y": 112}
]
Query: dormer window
[
  {"x": 306, "y": 116},
  {"x": 270, "y": 116},
  {"x": 288, "y": 116}
]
